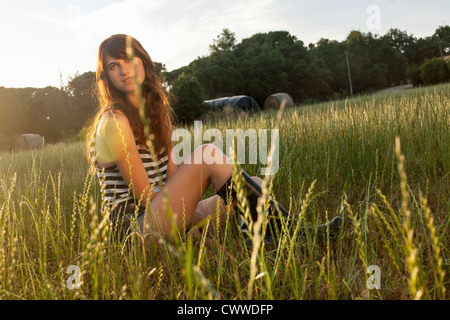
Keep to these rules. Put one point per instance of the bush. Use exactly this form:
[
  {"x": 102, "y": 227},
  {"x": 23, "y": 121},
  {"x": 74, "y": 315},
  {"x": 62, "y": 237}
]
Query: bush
[
  {"x": 413, "y": 74},
  {"x": 187, "y": 98},
  {"x": 434, "y": 71}
]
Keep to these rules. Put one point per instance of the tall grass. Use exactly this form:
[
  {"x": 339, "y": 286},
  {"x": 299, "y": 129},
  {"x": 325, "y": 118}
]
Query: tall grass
[{"x": 336, "y": 158}]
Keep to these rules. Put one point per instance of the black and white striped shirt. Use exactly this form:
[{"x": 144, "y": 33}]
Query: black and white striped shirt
[{"x": 111, "y": 180}]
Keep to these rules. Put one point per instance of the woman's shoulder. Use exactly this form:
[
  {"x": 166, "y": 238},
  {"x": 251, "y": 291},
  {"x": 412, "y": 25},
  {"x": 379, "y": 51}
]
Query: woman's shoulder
[
  {"x": 113, "y": 116},
  {"x": 112, "y": 112},
  {"x": 111, "y": 121}
]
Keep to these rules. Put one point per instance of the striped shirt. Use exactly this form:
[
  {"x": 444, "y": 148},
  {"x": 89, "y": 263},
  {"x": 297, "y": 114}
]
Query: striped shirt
[{"x": 112, "y": 182}]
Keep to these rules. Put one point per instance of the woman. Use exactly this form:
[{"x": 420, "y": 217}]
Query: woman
[{"x": 119, "y": 153}]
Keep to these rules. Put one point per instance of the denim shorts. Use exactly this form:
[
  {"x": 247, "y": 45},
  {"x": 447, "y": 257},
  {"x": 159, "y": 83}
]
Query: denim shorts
[
  {"x": 139, "y": 224},
  {"x": 126, "y": 220}
]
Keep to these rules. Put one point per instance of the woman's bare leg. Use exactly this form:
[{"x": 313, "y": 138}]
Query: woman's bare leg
[
  {"x": 185, "y": 189},
  {"x": 213, "y": 207}
]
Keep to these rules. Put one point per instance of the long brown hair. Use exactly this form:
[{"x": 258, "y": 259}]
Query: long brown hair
[{"x": 157, "y": 108}]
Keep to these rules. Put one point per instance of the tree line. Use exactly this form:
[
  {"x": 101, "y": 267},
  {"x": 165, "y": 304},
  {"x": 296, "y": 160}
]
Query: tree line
[
  {"x": 258, "y": 66},
  {"x": 54, "y": 113},
  {"x": 272, "y": 62}
]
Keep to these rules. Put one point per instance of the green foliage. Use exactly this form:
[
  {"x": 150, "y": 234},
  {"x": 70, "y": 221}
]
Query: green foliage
[
  {"x": 224, "y": 42},
  {"x": 82, "y": 100},
  {"x": 434, "y": 71},
  {"x": 261, "y": 65},
  {"x": 43, "y": 111},
  {"x": 331, "y": 52},
  {"x": 277, "y": 61},
  {"x": 374, "y": 62},
  {"x": 14, "y": 110},
  {"x": 187, "y": 98},
  {"x": 442, "y": 36},
  {"x": 54, "y": 113},
  {"x": 49, "y": 113},
  {"x": 219, "y": 74},
  {"x": 399, "y": 40},
  {"x": 413, "y": 73}
]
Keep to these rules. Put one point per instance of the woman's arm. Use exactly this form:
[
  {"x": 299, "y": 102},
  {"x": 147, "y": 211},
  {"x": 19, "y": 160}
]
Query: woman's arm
[{"x": 120, "y": 142}]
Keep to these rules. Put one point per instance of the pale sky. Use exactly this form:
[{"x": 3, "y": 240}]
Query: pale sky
[{"x": 43, "y": 39}]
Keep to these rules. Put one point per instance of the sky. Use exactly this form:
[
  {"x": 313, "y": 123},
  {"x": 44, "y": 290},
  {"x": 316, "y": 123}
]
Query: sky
[{"x": 46, "y": 42}]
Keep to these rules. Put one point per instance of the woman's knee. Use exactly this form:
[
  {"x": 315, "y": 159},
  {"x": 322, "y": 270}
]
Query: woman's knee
[
  {"x": 258, "y": 180},
  {"x": 209, "y": 154}
]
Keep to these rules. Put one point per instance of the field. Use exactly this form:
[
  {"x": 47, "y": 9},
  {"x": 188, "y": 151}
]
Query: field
[{"x": 382, "y": 162}]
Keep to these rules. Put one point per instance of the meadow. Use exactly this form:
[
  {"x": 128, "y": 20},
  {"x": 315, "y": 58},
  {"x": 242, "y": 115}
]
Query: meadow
[{"x": 382, "y": 162}]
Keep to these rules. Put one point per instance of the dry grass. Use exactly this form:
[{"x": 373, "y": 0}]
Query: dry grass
[{"x": 338, "y": 158}]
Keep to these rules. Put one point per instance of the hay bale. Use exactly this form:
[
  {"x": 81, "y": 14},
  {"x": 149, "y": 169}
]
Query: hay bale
[
  {"x": 18, "y": 143},
  {"x": 26, "y": 141},
  {"x": 243, "y": 103},
  {"x": 34, "y": 141},
  {"x": 274, "y": 101}
]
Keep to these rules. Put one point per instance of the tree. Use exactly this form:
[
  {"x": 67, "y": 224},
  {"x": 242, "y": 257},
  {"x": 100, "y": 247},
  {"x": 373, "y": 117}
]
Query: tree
[
  {"x": 48, "y": 113},
  {"x": 279, "y": 62},
  {"x": 434, "y": 71},
  {"x": 82, "y": 101},
  {"x": 173, "y": 75},
  {"x": 219, "y": 74},
  {"x": 14, "y": 110},
  {"x": 442, "y": 37},
  {"x": 403, "y": 43},
  {"x": 161, "y": 72},
  {"x": 160, "y": 69},
  {"x": 374, "y": 62},
  {"x": 422, "y": 49},
  {"x": 81, "y": 85},
  {"x": 224, "y": 41},
  {"x": 391, "y": 60},
  {"x": 187, "y": 98},
  {"x": 332, "y": 54},
  {"x": 399, "y": 40}
]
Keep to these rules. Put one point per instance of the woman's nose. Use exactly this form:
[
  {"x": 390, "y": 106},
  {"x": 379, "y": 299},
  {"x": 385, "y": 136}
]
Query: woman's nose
[{"x": 126, "y": 68}]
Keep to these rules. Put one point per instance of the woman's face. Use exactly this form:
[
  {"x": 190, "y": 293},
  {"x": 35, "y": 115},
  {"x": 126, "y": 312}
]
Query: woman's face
[{"x": 121, "y": 73}]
